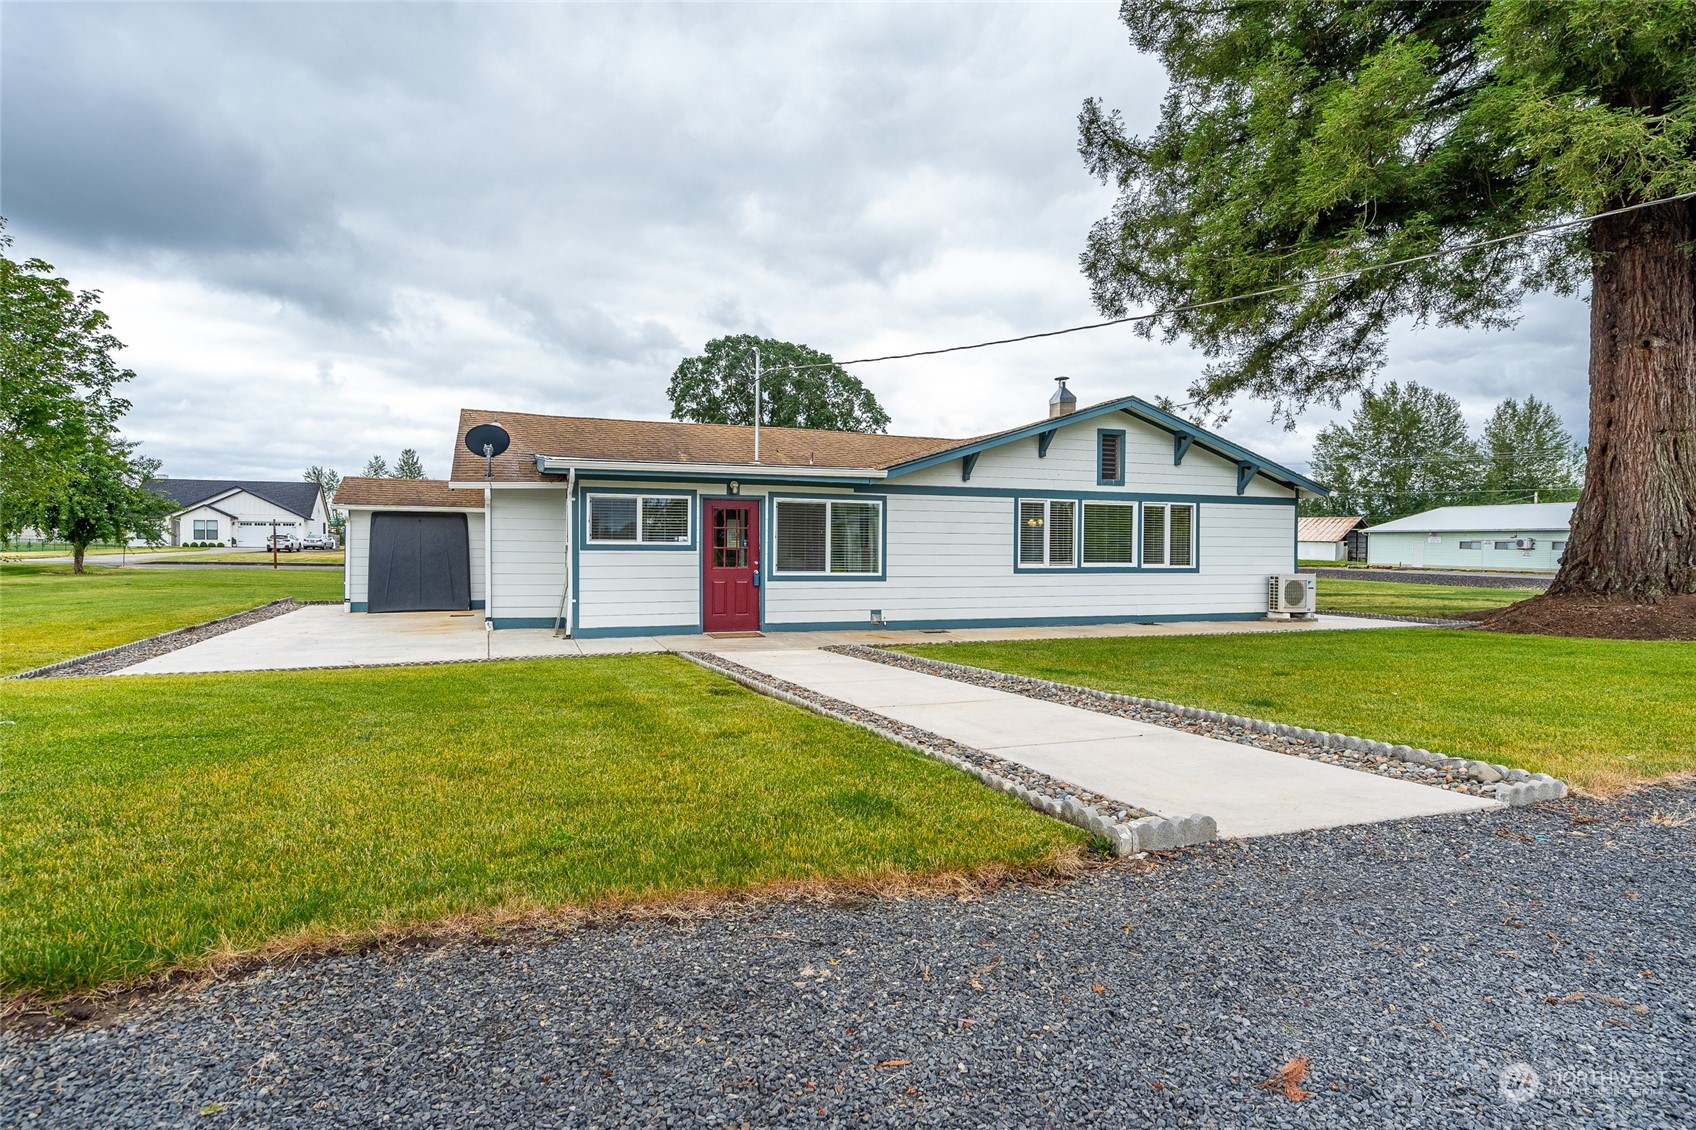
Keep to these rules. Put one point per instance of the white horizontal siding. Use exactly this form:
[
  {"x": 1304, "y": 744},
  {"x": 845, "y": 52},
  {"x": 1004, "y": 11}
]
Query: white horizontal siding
[
  {"x": 356, "y": 565},
  {"x": 951, "y": 557},
  {"x": 528, "y": 547},
  {"x": 1071, "y": 465}
]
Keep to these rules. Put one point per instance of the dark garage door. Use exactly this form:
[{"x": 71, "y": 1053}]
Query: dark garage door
[{"x": 419, "y": 563}]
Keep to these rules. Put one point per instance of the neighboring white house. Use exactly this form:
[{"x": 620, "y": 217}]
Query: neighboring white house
[
  {"x": 241, "y": 512},
  {"x": 1118, "y": 512},
  {"x": 1330, "y": 538},
  {"x": 1522, "y": 535}
]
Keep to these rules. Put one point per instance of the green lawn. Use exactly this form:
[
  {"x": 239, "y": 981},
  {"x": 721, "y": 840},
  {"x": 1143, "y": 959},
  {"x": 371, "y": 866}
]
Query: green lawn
[
  {"x": 1600, "y": 713},
  {"x": 47, "y": 613},
  {"x": 263, "y": 557},
  {"x": 147, "y": 822},
  {"x": 1390, "y": 598}
]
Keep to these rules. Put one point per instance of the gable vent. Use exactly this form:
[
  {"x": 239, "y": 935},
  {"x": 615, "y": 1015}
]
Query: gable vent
[{"x": 1112, "y": 457}]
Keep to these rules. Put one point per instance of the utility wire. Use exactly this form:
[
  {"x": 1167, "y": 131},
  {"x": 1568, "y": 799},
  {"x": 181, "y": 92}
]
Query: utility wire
[{"x": 1333, "y": 277}]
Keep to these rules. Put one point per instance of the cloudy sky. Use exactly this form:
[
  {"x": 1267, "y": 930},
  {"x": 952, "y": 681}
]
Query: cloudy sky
[{"x": 321, "y": 229}]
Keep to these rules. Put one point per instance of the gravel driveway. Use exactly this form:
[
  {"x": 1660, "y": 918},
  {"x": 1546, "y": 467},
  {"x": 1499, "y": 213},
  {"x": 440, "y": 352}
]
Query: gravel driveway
[{"x": 1413, "y": 962}]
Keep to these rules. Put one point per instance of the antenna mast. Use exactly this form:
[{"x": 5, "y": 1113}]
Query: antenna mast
[{"x": 756, "y": 404}]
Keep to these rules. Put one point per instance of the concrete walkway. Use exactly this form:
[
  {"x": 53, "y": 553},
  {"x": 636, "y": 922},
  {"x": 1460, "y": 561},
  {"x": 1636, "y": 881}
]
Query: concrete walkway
[
  {"x": 1249, "y": 791},
  {"x": 329, "y": 636}
]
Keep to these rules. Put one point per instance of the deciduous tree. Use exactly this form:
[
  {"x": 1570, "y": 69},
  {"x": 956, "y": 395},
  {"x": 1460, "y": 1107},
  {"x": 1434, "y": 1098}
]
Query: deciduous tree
[
  {"x": 102, "y": 496},
  {"x": 1527, "y": 452},
  {"x": 1302, "y": 141},
  {"x": 799, "y": 386}
]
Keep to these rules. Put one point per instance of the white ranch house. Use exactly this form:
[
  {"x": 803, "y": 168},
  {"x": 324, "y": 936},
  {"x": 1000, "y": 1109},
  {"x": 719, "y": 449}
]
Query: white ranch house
[
  {"x": 1117, "y": 512},
  {"x": 241, "y": 512}
]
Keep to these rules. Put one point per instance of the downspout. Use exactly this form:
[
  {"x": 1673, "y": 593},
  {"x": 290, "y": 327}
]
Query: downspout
[
  {"x": 565, "y": 592},
  {"x": 488, "y": 557}
]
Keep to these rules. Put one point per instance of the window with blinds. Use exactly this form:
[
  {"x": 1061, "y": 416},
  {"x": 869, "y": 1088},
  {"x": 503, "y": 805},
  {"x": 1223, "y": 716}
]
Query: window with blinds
[
  {"x": 1168, "y": 535},
  {"x": 827, "y": 538},
  {"x": 1110, "y": 458},
  {"x": 633, "y": 519},
  {"x": 1110, "y": 533},
  {"x": 1048, "y": 532}
]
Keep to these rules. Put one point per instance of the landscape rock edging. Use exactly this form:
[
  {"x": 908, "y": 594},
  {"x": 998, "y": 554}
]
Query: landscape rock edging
[
  {"x": 1513, "y": 787},
  {"x": 1128, "y": 837}
]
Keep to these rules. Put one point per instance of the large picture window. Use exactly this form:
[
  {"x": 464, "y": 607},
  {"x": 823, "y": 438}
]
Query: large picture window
[
  {"x": 826, "y": 538},
  {"x": 1048, "y": 532},
  {"x": 639, "y": 519},
  {"x": 1110, "y": 533},
  {"x": 205, "y": 529},
  {"x": 1168, "y": 535}
]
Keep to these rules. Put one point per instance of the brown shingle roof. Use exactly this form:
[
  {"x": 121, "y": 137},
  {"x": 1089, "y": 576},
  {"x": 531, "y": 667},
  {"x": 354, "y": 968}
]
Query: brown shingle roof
[
  {"x": 666, "y": 441},
  {"x": 1325, "y": 528},
  {"x": 404, "y": 492}
]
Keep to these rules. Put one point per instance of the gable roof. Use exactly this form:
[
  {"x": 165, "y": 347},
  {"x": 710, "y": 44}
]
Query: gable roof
[
  {"x": 565, "y": 439},
  {"x": 295, "y": 497},
  {"x": 1509, "y": 517},
  {"x": 358, "y": 491},
  {"x": 668, "y": 441},
  {"x": 1326, "y": 527}
]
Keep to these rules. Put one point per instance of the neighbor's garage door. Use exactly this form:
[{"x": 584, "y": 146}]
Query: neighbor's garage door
[{"x": 419, "y": 563}]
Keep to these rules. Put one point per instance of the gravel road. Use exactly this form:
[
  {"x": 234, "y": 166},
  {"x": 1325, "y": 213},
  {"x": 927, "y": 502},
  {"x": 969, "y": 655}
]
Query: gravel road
[
  {"x": 1413, "y": 963},
  {"x": 1432, "y": 577}
]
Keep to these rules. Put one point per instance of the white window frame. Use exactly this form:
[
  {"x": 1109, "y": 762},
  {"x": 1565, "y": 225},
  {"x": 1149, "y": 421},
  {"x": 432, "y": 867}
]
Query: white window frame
[
  {"x": 1165, "y": 561},
  {"x": 200, "y": 523},
  {"x": 828, "y": 503},
  {"x": 1136, "y": 535},
  {"x": 641, "y": 501},
  {"x": 1047, "y": 505}
]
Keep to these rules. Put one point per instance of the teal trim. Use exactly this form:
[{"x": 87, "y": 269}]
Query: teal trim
[
  {"x": 1026, "y": 432},
  {"x": 581, "y": 533},
  {"x": 1101, "y": 480},
  {"x": 1180, "y": 448},
  {"x": 504, "y": 622},
  {"x": 966, "y": 465},
  {"x": 720, "y": 482},
  {"x": 768, "y": 537},
  {"x": 358, "y": 606},
  {"x": 1096, "y": 495},
  {"x": 477, "y": 604},
  {"x": 1218, "y": 444},
  {"x": 1017, "y": 622},
  {"x": 1078, "y": 535},
  {"x": 1043, "y": 440},
  {"x": 616, "y": 633},
  {"x": 1245, "y": 476}
]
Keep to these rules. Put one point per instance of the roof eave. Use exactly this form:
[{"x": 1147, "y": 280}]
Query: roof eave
[{"x": 561, "y": 464}]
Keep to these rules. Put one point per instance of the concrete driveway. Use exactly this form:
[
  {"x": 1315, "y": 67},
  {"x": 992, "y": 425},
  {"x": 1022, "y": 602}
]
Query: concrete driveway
[{"x": 329, "y": 636}]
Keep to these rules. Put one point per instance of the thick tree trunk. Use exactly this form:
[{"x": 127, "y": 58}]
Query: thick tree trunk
[{"x": 1634, "y": 529}]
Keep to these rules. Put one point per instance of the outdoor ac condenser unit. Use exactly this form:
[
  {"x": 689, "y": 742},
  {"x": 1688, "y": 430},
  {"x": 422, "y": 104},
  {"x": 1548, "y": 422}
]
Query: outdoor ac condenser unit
[
  {"x": 1289, "y": 594},
  {"x": 1525, "y": 543}
]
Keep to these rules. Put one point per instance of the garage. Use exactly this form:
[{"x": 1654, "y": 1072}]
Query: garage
[{"x": 419, "y": 562}]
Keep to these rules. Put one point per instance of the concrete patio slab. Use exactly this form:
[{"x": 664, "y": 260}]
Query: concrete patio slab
[
  {"x": 1249, "y": 791},
  {"x": 330, "y": 636}
]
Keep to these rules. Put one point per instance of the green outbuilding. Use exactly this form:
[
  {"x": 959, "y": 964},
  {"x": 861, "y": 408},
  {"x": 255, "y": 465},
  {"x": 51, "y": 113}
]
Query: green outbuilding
[{"x": 1517, "y": 536}]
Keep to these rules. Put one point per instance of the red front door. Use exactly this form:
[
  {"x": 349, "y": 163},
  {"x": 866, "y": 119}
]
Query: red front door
[{"x": 730, "y": 566}]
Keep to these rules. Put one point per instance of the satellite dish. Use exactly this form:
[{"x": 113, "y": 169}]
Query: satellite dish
[{"x": 487, "y": 440}]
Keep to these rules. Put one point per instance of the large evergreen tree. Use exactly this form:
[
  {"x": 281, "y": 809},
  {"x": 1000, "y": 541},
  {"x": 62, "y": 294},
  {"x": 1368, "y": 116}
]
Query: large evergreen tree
[
  {"x": 1405, "y": 450},
  {"x": 799, "y": 388},
  {"x": 1303, "y": 138},
  {"x": 1527, "y": 452}
]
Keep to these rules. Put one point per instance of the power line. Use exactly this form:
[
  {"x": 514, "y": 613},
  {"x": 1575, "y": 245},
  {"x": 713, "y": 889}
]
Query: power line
[{"x": 1354, "y": 272}]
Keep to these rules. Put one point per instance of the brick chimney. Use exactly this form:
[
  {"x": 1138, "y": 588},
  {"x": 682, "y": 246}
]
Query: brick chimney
[{"x": 1062, "y": 403}]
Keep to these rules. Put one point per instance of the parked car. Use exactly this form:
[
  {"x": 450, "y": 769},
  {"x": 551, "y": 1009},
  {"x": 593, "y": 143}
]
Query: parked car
[
  {"x": 318, "y": 541},
  {"x": 282, "y": 543}
]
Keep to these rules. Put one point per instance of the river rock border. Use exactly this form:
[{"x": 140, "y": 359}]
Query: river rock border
[
  {"x": 1129, "y": 829},
  {"x": 110, "y": 659},
  {"x": 1508, "y": 785}
]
